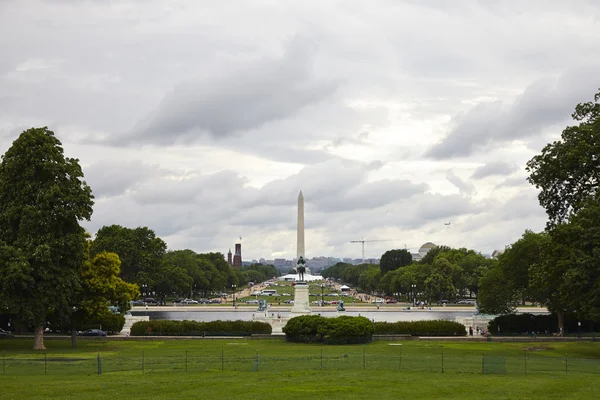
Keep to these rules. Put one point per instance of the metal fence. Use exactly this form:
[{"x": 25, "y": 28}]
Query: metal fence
[{"x": 313, "y": 359}]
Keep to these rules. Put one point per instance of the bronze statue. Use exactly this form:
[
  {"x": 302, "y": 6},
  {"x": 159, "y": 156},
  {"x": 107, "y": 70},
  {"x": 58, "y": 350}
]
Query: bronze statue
[
  {"x": 340, "y": 306},
  {"x": 262, "y": 305},
  {"x": 301, "y": 269}
]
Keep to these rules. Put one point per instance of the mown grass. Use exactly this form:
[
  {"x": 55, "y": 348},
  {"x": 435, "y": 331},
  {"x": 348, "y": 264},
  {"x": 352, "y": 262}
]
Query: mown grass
[{"x": 265, "y": 369}]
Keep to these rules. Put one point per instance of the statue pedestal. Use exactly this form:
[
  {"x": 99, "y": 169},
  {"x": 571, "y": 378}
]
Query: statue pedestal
[{"x": 301, "y": 301}]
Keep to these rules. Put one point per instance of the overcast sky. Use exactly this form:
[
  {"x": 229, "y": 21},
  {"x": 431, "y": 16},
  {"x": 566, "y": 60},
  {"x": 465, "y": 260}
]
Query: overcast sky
[{"x": 203, "y": 119}]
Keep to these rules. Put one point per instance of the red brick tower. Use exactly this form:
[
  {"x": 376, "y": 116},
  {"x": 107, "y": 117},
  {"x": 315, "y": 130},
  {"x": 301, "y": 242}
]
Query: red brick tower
[
  {"x": 237, "y": 257},
  {"x": 229, "y": 258}
]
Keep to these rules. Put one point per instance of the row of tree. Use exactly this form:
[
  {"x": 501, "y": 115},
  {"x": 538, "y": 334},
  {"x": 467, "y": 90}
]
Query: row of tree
[
  {"x": 444, "y": 273},
  {"x": 146, "y": 262}
]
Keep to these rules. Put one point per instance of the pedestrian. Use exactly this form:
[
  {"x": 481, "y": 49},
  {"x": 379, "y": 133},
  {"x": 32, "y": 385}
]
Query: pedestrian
[
  {"x": 477, "y": 329},
  {"x": 470, "y": 331}
]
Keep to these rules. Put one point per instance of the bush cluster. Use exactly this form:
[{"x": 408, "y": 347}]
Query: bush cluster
[
  {"x": 318, "y": 329},
  {"x": 194, "y": 328},
  {"x": 536, "y": 323},
  {"x": 421, "y": 328}
]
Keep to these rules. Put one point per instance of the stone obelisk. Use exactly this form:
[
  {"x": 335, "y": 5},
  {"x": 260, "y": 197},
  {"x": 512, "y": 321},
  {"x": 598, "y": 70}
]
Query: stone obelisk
[
  {"x": 300, "y": 231},
  {"x": 301, "y": 303}
]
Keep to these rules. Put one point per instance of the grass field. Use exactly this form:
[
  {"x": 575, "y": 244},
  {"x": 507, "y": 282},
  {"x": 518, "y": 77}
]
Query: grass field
[{"x": 266, "y": 369}]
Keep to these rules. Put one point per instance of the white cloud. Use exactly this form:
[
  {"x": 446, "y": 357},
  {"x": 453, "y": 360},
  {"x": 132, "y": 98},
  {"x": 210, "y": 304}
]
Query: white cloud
[{"x": 203, "y": 121}]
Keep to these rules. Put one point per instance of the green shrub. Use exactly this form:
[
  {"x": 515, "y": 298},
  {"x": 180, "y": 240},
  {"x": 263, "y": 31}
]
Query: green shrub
[
  {"x": 539, "y": 323},
  {"x": 195, "y": 328},
  {"x": 421, "y": 328},
  {"x": 318, "y": 329}
]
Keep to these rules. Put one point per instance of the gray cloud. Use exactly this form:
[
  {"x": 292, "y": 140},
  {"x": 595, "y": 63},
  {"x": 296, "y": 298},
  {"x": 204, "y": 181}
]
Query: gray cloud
[
  {"x": 541, "y": 105},
  {"x": 109, "y": 178},
  {"x": 494, "y": 168},
  {"x": 267, "y": 91},
  {"x": 464, "y": 187}
]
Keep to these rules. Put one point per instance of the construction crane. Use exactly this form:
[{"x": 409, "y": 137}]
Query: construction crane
[{"x": 363, "y": 241}]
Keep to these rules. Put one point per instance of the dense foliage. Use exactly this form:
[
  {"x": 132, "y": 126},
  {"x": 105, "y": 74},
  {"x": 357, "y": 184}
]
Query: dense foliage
[
  {"x": 536, "y": 323},
  {"x": 43, "y": 197},
  {"x": 444, "y": 273},
  {"x": 567, "y": 171},
  {"x": 421, "y": 328},
  {"x": 319, "y": 329},
  {"x": 194, "y": 328}
]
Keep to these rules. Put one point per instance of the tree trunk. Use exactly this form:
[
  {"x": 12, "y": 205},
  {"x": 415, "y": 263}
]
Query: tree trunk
[
  {"x": 73, "y": 339},
  {"x": 561, "y": 321},
  {"x": 38, "y": 339}
]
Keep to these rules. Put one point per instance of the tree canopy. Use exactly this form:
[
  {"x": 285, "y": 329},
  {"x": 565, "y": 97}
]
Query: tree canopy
[
  {"x": 394, "y": 259},
  {"x": 43, "y": 197},
  {"x": 567, "y": 171}
]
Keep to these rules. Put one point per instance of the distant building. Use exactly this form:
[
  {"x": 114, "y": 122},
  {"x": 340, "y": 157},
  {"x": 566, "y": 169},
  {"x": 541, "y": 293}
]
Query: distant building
[
  {"x": 423, "y": 250},
  {"x": 237, "y": 257},
  {"x": 229, "y": 258}
]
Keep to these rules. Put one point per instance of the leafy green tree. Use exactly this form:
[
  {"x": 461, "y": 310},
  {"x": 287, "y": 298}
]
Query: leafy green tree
[
  {"x": 140, "y": 251},
  {"x": 394, "y": 259},
  {"x": 101, "y": 287},
  {"x": 172, "y": 280},
  {"x": 568, "y": 170},
  {"x": 508, "y": 284},
  {"x": 43, "y": 197},
  {"x": 567, "y": 278},
  {"x": 439, "y": 283}
]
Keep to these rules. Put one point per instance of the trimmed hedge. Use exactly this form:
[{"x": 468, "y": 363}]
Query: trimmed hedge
[
  {"x": 319, "y": 329},
  {"x": 538, "y": 323},
  {"x": 195, "y": 328},
  {"x": 421, "y": 328}
]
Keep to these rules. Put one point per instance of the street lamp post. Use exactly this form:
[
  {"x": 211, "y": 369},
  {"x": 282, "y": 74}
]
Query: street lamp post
[
  {"x": 579, "y": 329},
  {"x": 233, "y": 288},
  {"x": 322, "y": 288},
  {"x": 414, "y": 290}
]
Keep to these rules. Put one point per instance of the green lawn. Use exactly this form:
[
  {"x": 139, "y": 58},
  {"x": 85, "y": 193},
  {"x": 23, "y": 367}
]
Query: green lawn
[{"x": 252, "y": 369}]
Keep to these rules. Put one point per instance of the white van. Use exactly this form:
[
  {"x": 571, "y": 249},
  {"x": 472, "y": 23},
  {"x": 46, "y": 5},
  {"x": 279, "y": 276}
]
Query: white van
[{"x": 269, "y": 292}]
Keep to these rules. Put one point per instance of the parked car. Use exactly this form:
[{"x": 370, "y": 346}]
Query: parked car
[
  {"x": 391, "y": 301},
  {"x": 215, "y": 301},
  {"x": 377, "y": 301},
  {"x": 289, "y": 302},
  {"x": 151, "y": 302},
  {"x": 189, "y": 301},
  {"x": 93, "y": 332},
  {"x": 252, "y": 301},
  {"x": 138, "y": 303}
]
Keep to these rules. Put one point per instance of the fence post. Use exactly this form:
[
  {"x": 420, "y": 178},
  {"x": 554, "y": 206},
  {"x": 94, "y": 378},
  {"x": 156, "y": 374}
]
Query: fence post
[
  {"x": 364, "y": 358},
  {"x": 99, "y": 362},
  {"x": 45, "y": 363},
  {"x": 321, "y": 358},
  {"x": 401, "y": 353},
  {"x": 142, "y": 361},
  {"x": 482, "y": 362},
  {"x": 222, "y": 361},
  {"x": 566, "y": 364},
  {"x": 257, "y": 361},
  {"x": 525, "y": 354},
  {"x": 442, "y": 362},
  {"x": 186, "y": 361},
  {"x": 4, "y": 364}
]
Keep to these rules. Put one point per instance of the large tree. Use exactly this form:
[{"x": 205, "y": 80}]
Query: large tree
[
  {"x": 101, "y": 287},
  {"x": 507, "y": 285},
  {"x": 140, "y": 251},
  {"x": 394, "y": 259},
  {"x": 43, "y": 197},
  {"x": 568, "y": 170}
]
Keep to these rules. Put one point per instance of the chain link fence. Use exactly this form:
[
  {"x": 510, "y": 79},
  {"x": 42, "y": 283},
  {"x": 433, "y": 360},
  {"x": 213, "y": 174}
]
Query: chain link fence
[{"x": 327, "y": 358}]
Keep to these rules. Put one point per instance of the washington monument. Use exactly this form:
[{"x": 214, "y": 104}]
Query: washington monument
[{"x": 300, "y": 232}]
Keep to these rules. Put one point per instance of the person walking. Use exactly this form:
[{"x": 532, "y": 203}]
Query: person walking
[{"x": 470, "y": 331}]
